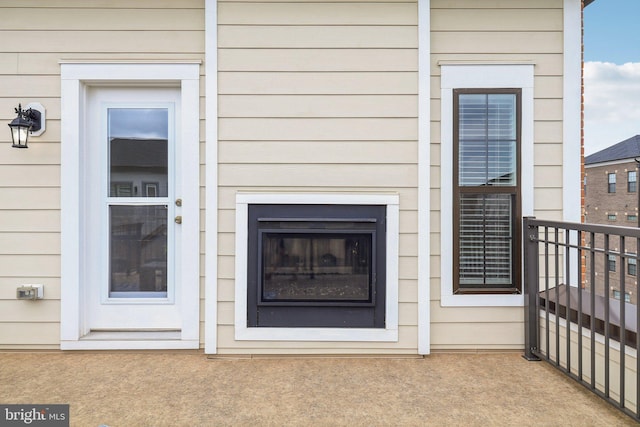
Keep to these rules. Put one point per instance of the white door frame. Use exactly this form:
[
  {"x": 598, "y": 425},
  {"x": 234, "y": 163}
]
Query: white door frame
[{"x": 76, "y": 77}]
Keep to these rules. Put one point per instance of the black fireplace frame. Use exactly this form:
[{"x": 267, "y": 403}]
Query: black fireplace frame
[{"x": 320, "y": 220}]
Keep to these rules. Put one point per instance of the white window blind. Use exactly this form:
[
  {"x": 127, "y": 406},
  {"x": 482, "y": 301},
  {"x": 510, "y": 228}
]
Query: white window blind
[
  {"x": 487, "y": 139},
  {"x": 486, "y": 239}
]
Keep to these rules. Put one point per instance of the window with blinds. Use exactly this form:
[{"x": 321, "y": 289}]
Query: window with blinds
[{"x": 486, "y": 191}]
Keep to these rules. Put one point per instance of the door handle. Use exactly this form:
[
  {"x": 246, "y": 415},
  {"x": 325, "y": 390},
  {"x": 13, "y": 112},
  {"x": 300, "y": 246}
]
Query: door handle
[
  {"x": 178, "y": 202},
  {"x": 178, "y": 219}
]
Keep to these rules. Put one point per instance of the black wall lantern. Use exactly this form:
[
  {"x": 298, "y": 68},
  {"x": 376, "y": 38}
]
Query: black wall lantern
[{"x": 28, "y": 121}]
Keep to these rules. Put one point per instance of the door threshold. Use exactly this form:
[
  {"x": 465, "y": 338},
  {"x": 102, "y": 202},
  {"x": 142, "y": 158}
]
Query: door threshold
[{"x": 132, "y": 335}]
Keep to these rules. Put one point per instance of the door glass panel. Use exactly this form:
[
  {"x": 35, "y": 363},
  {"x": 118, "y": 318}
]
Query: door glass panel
[
  {"x": 138, "y": 155},
  {"x": 138, "y": 246}
]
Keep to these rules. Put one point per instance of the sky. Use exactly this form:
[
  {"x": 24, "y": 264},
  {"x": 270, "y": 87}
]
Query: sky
[
  {"x": 145, "y": 123},
  {"x": 612, "y": 72}
]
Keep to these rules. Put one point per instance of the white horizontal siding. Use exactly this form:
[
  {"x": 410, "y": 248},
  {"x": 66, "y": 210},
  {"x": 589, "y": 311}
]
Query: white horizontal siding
[{"x": 317, "y": 60}]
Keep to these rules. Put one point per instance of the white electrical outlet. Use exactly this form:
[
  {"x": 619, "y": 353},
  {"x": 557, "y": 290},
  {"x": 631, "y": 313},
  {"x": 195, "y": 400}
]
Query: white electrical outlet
[{"x": 31, "y": 292}]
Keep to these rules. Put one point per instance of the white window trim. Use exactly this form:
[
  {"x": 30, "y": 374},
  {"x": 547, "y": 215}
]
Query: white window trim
[
  {"x": 480, "y": 76},
  {"x": 76, "y": 76},
  {"x": 389, "y": 333}
]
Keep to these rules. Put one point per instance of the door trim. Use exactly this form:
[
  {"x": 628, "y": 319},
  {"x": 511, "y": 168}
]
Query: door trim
[{"x": 76, "y": 77}]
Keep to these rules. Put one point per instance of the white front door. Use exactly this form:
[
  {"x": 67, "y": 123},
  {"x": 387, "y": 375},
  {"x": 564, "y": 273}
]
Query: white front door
[{"x": 133, "y": 209}]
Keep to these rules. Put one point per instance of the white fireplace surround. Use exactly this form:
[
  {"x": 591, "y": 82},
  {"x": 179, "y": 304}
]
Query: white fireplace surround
[{"x": 389, "y": 333}]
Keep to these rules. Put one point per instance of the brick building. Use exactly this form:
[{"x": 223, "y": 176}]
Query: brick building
[{"x": 611, "y": 198}]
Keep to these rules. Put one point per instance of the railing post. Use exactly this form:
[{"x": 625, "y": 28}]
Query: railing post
[{"x": 530, "y": 288}]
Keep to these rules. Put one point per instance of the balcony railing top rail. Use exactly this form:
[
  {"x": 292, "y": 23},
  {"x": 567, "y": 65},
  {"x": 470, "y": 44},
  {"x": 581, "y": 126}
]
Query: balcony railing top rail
[{"x": 578, "y": 226}]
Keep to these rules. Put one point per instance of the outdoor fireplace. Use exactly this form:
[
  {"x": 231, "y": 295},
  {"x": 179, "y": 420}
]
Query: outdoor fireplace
[{"x": 316, "y": 266}]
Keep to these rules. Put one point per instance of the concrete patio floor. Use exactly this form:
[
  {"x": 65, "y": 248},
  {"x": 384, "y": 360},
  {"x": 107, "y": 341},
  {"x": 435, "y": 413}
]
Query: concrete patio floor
[{"x": 190, "y": 389}]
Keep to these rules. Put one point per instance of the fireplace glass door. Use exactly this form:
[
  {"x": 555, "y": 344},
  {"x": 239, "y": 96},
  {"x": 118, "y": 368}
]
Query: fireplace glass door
[{"x": 320, "y": 267}]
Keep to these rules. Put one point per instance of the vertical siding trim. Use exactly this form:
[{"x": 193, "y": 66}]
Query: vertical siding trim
[
  {"x": 424, "y": 181},
  {"x": 211, "y": 179},
  {"x": 571, "y": 120},
  {"x": 571, "y": 110}
]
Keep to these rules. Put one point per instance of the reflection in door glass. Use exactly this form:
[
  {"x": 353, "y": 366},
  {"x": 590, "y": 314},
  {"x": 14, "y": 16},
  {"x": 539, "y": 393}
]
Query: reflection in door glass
[
  {"x": 138, "y": 249},
  {"x": 138, "y": 154}
]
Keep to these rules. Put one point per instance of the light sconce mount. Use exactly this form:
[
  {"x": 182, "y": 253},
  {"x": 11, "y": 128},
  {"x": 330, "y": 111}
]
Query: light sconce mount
[{"x": 30, "y": 121}]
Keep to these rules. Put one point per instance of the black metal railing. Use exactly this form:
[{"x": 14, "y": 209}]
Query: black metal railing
[{"x": 581, "y": 293}]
